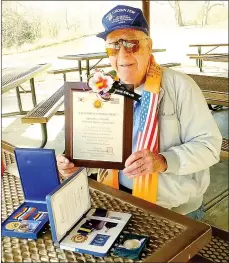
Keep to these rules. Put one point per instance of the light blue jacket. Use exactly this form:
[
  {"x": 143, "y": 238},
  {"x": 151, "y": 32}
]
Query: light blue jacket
[{"x": 189, "y": 140}]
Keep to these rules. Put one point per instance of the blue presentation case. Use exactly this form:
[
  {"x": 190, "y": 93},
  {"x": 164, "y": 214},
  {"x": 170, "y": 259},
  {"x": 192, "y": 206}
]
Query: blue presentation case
[
  {"x": 39, "y": 176},
  {"x": 69, "y": 207}
]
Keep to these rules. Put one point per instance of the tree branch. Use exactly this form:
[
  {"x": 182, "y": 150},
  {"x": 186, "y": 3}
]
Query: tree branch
[
  {"x": 222, "y": 4},
  {"x": 161, "y": 2},
  {"x": 170, "y": 3}
]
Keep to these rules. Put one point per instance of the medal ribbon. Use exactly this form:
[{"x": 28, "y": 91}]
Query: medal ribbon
[
  {"x": 25, "y": 213},
  {"x": 39, "y": 216}
]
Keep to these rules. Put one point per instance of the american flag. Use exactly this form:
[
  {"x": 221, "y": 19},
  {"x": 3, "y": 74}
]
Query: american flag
[{"x": 148, "y": 128}]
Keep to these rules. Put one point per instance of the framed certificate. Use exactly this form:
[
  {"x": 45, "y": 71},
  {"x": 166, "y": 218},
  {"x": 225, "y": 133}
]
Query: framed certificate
[{"x": 98, "y": 133}]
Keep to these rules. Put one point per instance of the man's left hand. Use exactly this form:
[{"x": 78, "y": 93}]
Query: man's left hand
[{"x": 144, "y": 162}]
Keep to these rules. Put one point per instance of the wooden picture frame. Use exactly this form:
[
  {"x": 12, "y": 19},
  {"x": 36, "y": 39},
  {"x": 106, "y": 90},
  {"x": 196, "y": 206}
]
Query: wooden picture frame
[{"x": 70, "y": 88}]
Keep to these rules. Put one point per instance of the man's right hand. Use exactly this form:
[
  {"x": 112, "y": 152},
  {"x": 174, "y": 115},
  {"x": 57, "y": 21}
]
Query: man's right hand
[{"x": 65, "y": 167}]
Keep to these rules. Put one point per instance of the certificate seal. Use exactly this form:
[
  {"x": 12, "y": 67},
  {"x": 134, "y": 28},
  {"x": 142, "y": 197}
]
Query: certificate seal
[
  {"x": 132, "y": 244},
  {"x": 97, "y": 104},
  {"x": 79, "y": 238},
  {"x": 12, "y": 225}
]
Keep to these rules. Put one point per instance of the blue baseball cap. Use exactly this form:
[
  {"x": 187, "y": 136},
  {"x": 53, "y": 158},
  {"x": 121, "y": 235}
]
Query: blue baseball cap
[{"x": 123, "y": 16}]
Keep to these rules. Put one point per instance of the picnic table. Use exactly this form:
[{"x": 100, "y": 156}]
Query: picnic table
[
  {"x": 85, "y": 57},
  {"x": 172, "y": 236},
  {"x": 14, "y": 77},
  {"x": 207, "y": 55},
  {"x": 92, "y": 56},
  {"x": 216, "y": 58}
]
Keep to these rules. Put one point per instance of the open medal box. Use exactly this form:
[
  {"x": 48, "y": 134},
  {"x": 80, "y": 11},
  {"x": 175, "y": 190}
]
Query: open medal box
[
  {"x": 172, "y": 236},
  {"x": 75, "y": 225},
  {"x": 39, "y": 176}
]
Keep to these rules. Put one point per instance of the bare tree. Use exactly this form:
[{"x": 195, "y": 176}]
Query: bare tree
[
  {"x": 53, "y": 28},
  {"x": 178, "y": 14},
  {"x": 66, "y": 19},
  {"x": 206, "y": 9},
  {"x": 68, "y": 25}
]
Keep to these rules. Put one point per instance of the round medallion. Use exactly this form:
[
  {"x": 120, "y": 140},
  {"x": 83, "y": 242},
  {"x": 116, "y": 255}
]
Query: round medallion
[
  {"x": 12, "y": 225},
  {"x": 79, "y": 238},
  {"x": 132, "y": 244}
]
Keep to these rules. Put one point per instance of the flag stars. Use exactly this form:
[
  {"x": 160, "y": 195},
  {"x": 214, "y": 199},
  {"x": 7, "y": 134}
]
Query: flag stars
[{"x": 144, "y": 110}]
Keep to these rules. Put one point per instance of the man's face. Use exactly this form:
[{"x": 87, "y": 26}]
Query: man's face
[{"x": 131, "y": 67}]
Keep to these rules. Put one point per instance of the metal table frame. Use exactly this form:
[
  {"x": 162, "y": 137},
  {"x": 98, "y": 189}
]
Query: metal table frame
[
  {"x": 17, "y": 85},
  {"x": 91, "y": 56},
  {"x": 87, "y": 58},
  {"x": 199, "y": 60}
]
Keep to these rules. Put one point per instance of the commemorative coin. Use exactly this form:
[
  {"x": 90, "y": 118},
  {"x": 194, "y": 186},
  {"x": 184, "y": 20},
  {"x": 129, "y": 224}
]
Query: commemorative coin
[
  {"x": 79, "y": 238},
  {"x": 13, "y": 225}
]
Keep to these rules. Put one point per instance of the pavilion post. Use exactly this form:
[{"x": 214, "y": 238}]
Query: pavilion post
[{"x": 146, "y": 11}]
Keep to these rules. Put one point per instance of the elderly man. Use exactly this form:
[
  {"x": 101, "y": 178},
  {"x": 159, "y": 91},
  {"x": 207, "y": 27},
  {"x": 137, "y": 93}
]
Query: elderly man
[{"x": 171, "y": 168}]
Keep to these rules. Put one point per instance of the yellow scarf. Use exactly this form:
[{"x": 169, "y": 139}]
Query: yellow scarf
[{"x": 144, "y": 187}]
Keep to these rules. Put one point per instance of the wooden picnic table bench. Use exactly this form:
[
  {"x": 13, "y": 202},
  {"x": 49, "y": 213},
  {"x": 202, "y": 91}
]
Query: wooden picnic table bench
[
  {"x": 215, "y": 90},
  {"x": 216, "y": 58},
  {"x": 43, "y": 112},
  {"x": 208, "y": 55},
  {"x": 171, "y": 65},
  {"x": 14, "y": 77},
  {"x": 225, "y": 149}
]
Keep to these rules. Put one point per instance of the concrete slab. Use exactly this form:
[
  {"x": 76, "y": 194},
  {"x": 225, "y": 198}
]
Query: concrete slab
[
  {"x": 219, "y": 181},
  {"x": 26, "y": 135},
  {"x": 221, "y": 118},
  {"x": 218, "y": 215}
]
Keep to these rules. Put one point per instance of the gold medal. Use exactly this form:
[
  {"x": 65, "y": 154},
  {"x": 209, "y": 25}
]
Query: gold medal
[
  {"x": 132, "y": 244},
  {"x": 97, "y": 104},
  {"x": 79, "y": 238},
  {"x": 12, "y": 225}
]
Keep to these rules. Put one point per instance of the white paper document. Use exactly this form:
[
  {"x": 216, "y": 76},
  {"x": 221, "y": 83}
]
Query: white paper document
[{"x": 97, "y": 127}]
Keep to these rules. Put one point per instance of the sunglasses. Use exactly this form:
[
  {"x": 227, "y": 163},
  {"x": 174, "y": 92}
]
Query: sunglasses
[{"x": 131, "y": 46}]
